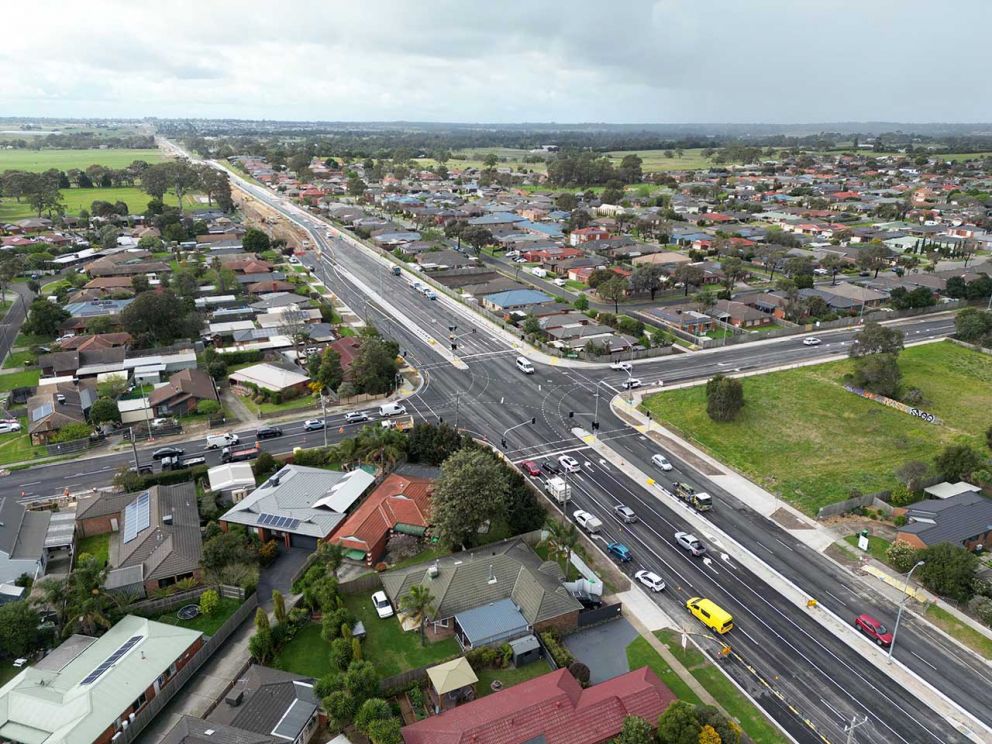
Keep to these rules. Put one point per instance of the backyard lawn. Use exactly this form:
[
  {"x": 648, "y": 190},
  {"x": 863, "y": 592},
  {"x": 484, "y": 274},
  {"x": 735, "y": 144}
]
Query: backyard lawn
[
  {"x": 96, "y": 545},
  {"x": 803, "y": 436},
  {"x": 509, "y": 677},
  {"x": 389, "y": 647},
  {"x": 17, "y": 447},
  {"x": 307, "y": 654},
  {"x": 25, "y": 378},
  {"x": 207, "y": 624}
]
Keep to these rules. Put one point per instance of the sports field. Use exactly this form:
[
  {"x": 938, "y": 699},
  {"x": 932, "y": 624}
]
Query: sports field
[{"x": 42, "y": 160}]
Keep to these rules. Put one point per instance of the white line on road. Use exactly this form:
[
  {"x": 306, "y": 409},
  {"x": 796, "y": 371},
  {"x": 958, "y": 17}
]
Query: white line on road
[
  {"x": 782, "y": 543},
  {"x": 746, "y": 636},
  {"x": 923, "y": 660},
  {"x": 834, "y": 710},
  {"x": 834, "y": 596},
  {"x": 32, "y": 483},
  {"x": 765, "y": 547}
]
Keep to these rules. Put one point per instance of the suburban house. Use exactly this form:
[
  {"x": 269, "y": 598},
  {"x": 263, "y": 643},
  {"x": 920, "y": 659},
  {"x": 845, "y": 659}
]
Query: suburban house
[
  {"x": 22, "y": 540},
  {"x": 190, "y": 730},
  {"x": 665, "y": 259},
  {"x": 182, "y": 393},
  {"x": 550, "y": 709},
  {"x": 586, "y": 234},
  {"x": 463, "y": 582},
  {"x": 154, "y": 535},
  {"x": 300, "y": 506},
  {"x": 684, "y": 319},
  {"x": 270, "y": 377},
  {"x": 269, "y": 701},
  {"x": 88, "y": 689},
  {"x": 502, "y": 302},
  {"x": 962, "y": 519},
  {"x": 55, "y": 406},
  {"x": 400, "y": 504},
  {"x": 846, "y": 298},
  {"x": 738, "y": 314}
]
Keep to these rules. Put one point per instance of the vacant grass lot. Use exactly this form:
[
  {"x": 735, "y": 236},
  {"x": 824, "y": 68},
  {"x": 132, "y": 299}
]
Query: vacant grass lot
[
  {"x": 42, "y": 160},
  {"x": 803, "y": 436},
  {"x": 77, "y": 199},
  {"x": 97, "y": 546},
  {"x": 655, "y": 160},
  {"x": 389, "y": 647}
]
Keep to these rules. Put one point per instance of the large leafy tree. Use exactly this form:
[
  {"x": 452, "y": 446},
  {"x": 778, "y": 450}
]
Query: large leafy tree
[
  {"x": 957, "y": 461},
  {"x": 875, "y": 338},
  {"x": 613, "y": 290},
  {"x": 18, "y": 629},
  {"x": 679, "y": 724},
  {"x": 635, "y": 731},
  {"x": 159, "y": 318},
  {"x": 432, "y": 444},
  {"x": 724, "y": 398},
  {"x": 948, "y": 570},
  {"x": 255, "y": 241},
  {"x": 44, "y": 317},
  {"x": 470, "y": 491},
  {"x": 688, "y": 275},
  {"x": 373, "y": 371},
  {"x": 647, "y": 278}
]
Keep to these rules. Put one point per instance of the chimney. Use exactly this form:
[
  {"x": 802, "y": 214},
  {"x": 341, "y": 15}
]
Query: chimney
[{"x": 492, "y": 575}]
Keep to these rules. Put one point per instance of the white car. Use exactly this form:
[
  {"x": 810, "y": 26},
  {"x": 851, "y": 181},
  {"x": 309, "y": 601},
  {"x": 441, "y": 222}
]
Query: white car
[
  {"x": 662, "y": 462},
  {"x": 294, "y": 260},
  {"x": 7, "y": 427},
  {"x": 355, "y": 417},
  {"x": 569, "y": 464},
  {"x": 811, "y": 341},
  {"x": 559, "y": 282},
  {"x": 624, "y": 366},
  {"x": 381, "y": 603},
  {"x": 588, "y": 522},
  {"x": 630, "y": 383},
  {"x": 520, "y": 260},
  {"x": 690, "y": 543},
  {"x": 651, "y": 580}
]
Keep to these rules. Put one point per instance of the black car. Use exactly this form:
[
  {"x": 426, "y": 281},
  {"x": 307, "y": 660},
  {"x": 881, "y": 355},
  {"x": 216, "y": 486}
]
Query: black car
[
  {"x": 551, "y": 467},
  {"x": 167, "y": 452},
  {"x": 268, "y": 432}
]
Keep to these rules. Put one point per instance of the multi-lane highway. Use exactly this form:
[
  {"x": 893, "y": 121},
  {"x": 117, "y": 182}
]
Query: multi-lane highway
[{"x": 810, "y": 681}]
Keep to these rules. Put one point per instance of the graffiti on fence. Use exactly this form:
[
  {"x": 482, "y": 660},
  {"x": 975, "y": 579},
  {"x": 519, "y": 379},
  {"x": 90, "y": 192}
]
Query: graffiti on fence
[{"x": 919, "y": 413}]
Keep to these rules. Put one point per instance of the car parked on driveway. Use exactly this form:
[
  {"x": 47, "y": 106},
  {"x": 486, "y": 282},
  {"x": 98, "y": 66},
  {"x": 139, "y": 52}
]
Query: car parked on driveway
[
  {"x": 167, "y": 452},
  {"x": 530, "y": 467},
  {"x": 619, "y": 551},
  {"x": 873, "y": 628},
  {"x": 313, "y": 424},
  {"x": 381, "y": 603},
  {"x": 569, "y": 464},
  {"x": 661, "y": 461},
  {"x": 651, "y": 580},
  {"x": 690, "y": 543}
]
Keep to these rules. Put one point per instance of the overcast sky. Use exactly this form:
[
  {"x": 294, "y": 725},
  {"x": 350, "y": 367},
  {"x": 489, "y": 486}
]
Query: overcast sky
[{"x": 500, "y": 60}]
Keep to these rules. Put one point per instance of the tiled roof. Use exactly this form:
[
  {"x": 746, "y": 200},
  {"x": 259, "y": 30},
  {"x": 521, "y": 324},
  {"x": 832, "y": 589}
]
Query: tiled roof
[
  {"x": 397, "y": 500},
  {"x": 552, "y": 708},
  {"x": 273, "y": 700},
  {"x": 463, "y": 582}
]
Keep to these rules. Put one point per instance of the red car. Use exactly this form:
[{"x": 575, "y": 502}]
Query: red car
[
  {"x": 873, "y": 628},
  {"x": 530, "y": 468}
]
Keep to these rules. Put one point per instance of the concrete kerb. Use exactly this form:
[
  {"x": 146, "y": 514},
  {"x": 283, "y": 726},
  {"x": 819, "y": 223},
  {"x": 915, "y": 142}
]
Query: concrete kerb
[{"x": 844, "y": 631}]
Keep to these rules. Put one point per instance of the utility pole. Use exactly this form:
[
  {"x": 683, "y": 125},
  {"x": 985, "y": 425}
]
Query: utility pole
[
  {"x": 323, "y": 410},
  {"x": 854, "y": 724},
  {"x": 134, "y": 448}
]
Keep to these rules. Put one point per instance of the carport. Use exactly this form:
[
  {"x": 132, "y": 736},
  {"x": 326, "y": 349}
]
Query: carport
[{"x": 490, "y": 624}]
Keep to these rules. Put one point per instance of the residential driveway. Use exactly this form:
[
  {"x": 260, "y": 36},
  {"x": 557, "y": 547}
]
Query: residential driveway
[
  {"x": 279, "y": 575},
  {"x": 603, "y": 648}
]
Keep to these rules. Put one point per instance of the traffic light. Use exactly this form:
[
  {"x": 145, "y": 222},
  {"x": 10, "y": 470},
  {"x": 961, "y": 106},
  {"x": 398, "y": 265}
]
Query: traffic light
[
  {"x": 595, "y": 426},
  {"x": 534, "y": 420},
  {"x": 454, "y": 346},
  {"x": 571, "y": 414},
  {"x": 502, "y": 442},
  {"x": 440, "y": 419}
]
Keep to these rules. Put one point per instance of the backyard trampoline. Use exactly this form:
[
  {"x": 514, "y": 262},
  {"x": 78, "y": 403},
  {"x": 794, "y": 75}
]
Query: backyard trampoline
[{"x": 188, "y": 612}]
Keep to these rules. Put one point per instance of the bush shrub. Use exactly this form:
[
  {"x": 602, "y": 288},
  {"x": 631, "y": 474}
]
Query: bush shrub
[
  {"x": 552, "y": 641},
  {"x": 209, "y": 601},
  {"x": 981, "y": 607},
  {"x": 341, "y": 653},
  {"x": 901, "y": 556}
]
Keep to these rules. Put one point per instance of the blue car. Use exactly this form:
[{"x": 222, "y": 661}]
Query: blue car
[{"x": 619, "y": 551}]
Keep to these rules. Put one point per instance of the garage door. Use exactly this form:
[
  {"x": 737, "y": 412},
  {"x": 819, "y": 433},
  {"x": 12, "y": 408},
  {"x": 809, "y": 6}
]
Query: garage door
[{"x": 302, "y": 541}]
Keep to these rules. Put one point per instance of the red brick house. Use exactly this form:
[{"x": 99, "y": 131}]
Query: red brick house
[
  {"x": 184, "y": 391},
  {"x": 552, "y": 709},
  {"x": 400, "y": 504},
  {"x": 585, "y": 234}
]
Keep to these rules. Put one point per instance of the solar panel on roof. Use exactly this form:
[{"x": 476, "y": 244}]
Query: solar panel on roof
[
  {"x": 293, "y": 524},
  {"x": 137, "y": 516},
  {"x": 41, "y": 412},
  {"x": 111, "y": 660}
]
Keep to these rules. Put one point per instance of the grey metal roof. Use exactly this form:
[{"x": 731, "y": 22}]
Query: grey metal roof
[
  {"x": 495, "y": 619},
  {"x": 31, "y": 537},
  {"x": 273, "y": 702},
  {"x": 464, "y": 582},
  {"x": 121, "y": 578},
  {"x": 60, "y": 529},
  {"x": 318, "y": 498},
  {"x": 65, "y": 652},
  {"x": 11, "y": 514}
]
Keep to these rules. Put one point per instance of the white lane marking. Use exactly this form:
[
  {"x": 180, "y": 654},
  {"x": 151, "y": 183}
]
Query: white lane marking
[
  {"x": 834, "y": 710},
  {"x": 782, "y": 544},
  {"x": 738, "y": 630},
  {"x": 32, "y": 483},
  {"x": 923, "y": 660},
  {"x": 765, "y": 547}
]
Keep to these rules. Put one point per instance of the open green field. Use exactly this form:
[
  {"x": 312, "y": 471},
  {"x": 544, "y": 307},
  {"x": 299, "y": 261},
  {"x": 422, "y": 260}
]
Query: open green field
[
  {"x": 42, "y": 160},
  {"x": 77, "y": 199},
  {"x": 804, "y": 437},
  {"x": 655, "y": 160}
]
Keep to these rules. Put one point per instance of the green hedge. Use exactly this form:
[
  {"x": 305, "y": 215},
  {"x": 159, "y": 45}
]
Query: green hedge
[
  {"x": 562, "y": 656},
  {"x": 242, "y": 357}
]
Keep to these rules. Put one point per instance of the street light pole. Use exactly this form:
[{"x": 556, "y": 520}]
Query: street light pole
[
  {"x": 901, "y": 605},
  {"x": 323, "y": 411}
]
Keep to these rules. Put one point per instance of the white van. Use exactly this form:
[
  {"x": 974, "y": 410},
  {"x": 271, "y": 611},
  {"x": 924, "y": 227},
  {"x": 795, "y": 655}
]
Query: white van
[
  {"x": 215, "y": 441},
  {"x": 391, "y": 409},
  {"x": 524, "y": 365},
  {"x": 538, "y": 271}
]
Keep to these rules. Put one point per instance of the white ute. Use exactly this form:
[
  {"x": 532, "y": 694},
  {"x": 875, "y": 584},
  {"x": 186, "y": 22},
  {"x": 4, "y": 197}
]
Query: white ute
[{"x": 589, "y": 522}]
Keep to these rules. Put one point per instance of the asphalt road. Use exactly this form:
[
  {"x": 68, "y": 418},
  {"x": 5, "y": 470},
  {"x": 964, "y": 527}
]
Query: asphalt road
[{"x": 798, "y": 671}]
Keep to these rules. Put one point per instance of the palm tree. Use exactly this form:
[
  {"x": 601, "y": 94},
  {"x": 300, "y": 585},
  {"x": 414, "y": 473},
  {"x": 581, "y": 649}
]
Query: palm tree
[
  {"x": 382, "y": 445},
  {"x": 562, "y": 538},
  {"x": 419, "y": 605},
  {"x": 54, "y": 596}
]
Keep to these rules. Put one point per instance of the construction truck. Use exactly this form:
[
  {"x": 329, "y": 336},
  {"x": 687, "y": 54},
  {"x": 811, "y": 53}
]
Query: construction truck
[
  {"x": 401, "y": 423},
  {"x": 698, "y": 501},
  {"x": 558, "y": 489}
]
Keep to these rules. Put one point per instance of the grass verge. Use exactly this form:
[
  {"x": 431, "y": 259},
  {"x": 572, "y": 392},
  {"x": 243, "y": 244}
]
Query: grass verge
[
  {"x": 876, "y": 547},
  {"x": 977, "y": 642}
]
